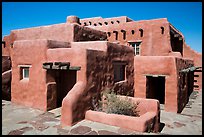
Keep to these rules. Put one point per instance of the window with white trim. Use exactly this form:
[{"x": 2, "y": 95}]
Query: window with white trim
[
  {"x": 136, "y": 46},
  {"x": 24, "y": 71}
]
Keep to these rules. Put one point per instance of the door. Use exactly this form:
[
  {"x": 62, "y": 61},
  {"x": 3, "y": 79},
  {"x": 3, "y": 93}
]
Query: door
[{"x": 155, "y": 88}]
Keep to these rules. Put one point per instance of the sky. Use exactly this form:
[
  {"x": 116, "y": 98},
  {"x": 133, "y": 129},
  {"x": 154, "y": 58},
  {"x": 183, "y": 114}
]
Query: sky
[{"x": 185, "y": 16}]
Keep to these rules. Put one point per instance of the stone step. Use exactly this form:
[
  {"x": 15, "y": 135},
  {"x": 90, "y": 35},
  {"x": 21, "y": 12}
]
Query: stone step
[{"x": 56, "y": 111}]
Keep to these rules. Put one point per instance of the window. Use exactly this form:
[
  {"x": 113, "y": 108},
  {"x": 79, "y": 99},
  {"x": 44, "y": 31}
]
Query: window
[
  {"x": 136, "y": 46},
  {"x": 162, "y": 30},
  {"x": 109, "y": 34},
  {"x": 116, "y": 35},
  {"x": 118, "y": 21},
  {"x": 112, "y": 22},
  {"x": 124, "y": 34},
  {"x": 133, "y": 32},
  {"x": 141, "y": 32},
  {"x": 95, "y": 24},
  {"x": 24, "y": 71},
  {"x": 89, "y": 22},
  {"x": 119, "y": 71}
]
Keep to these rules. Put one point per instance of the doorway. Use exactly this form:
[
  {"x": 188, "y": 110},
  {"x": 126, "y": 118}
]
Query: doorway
[
  {"x": 155, "y": 88},
  {"x": 64, "y": 82}
]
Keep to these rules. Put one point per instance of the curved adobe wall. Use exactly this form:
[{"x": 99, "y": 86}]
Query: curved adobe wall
[
  {"x": 150, "y": 115},
  {"x": 73, "y": 105}
]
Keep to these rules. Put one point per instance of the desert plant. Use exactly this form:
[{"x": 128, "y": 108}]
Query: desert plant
[{"x": 111, "y": 103}]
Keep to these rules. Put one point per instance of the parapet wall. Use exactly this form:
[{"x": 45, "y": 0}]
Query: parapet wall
[
  {"x": 99, "y": 21},
  {"x": 148, "y": 32}
]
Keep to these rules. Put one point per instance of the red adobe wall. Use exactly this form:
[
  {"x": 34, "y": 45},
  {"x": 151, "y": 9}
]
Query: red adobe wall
[
  {"x": 99, "y": 21},
  {"x": 59, "y": 32},
  {"x": 175, "y": 96},
  {"x": 185, "y": 82},
  {"x": 157, "y": 66},
  {"x": 197, "y": 58},
  {"x": 29, "y": 92},
  {"x": 152, "y": 39},
  {"x": 99, "y": 75},
  {"x": 149, "y": 119},
  {"x": 34, "y": 53},
  {"x": 64, "y": 32}
]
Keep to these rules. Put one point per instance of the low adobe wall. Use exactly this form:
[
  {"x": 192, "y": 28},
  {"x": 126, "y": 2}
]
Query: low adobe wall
[
  {"x": 149, "y": 118},
  {"x": 73, "y": 105}
]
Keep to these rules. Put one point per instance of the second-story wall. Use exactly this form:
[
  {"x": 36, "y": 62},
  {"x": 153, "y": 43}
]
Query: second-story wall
[{"x": 153, "y": 34}]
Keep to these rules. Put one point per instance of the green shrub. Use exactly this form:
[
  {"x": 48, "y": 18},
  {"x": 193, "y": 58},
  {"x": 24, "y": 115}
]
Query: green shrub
[{"x": 111, "y": 103}]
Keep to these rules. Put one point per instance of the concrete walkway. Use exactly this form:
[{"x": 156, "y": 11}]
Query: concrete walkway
[{"x": 20, "y": 120}]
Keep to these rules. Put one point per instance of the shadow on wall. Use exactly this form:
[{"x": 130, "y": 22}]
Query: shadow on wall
[{"x": 6, "y": 78}]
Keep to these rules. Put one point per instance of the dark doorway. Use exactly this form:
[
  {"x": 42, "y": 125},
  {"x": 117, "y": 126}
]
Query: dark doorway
[
  {"x": 59, "y": 83},
  {"x": 155, "y": 88},
  {"x": 65, "y": 80}
]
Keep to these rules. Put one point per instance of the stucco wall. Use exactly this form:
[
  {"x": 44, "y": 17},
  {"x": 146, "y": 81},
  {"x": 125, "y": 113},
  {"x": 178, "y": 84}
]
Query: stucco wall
[
  {"x": 29, "y": 92},
  {"x": 100, "y": 72},
  {"x": 59, "y": 32},
  {"x": 152, "y": 39},
  {"x": 185, "y": 82},
  {"x": 99, "y": 75},
  {"x": 157, "y": 66},
  {"x": 197, "y": 58}
]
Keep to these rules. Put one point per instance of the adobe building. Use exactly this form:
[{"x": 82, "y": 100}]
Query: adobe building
[{"x": 145, "y": 59}]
